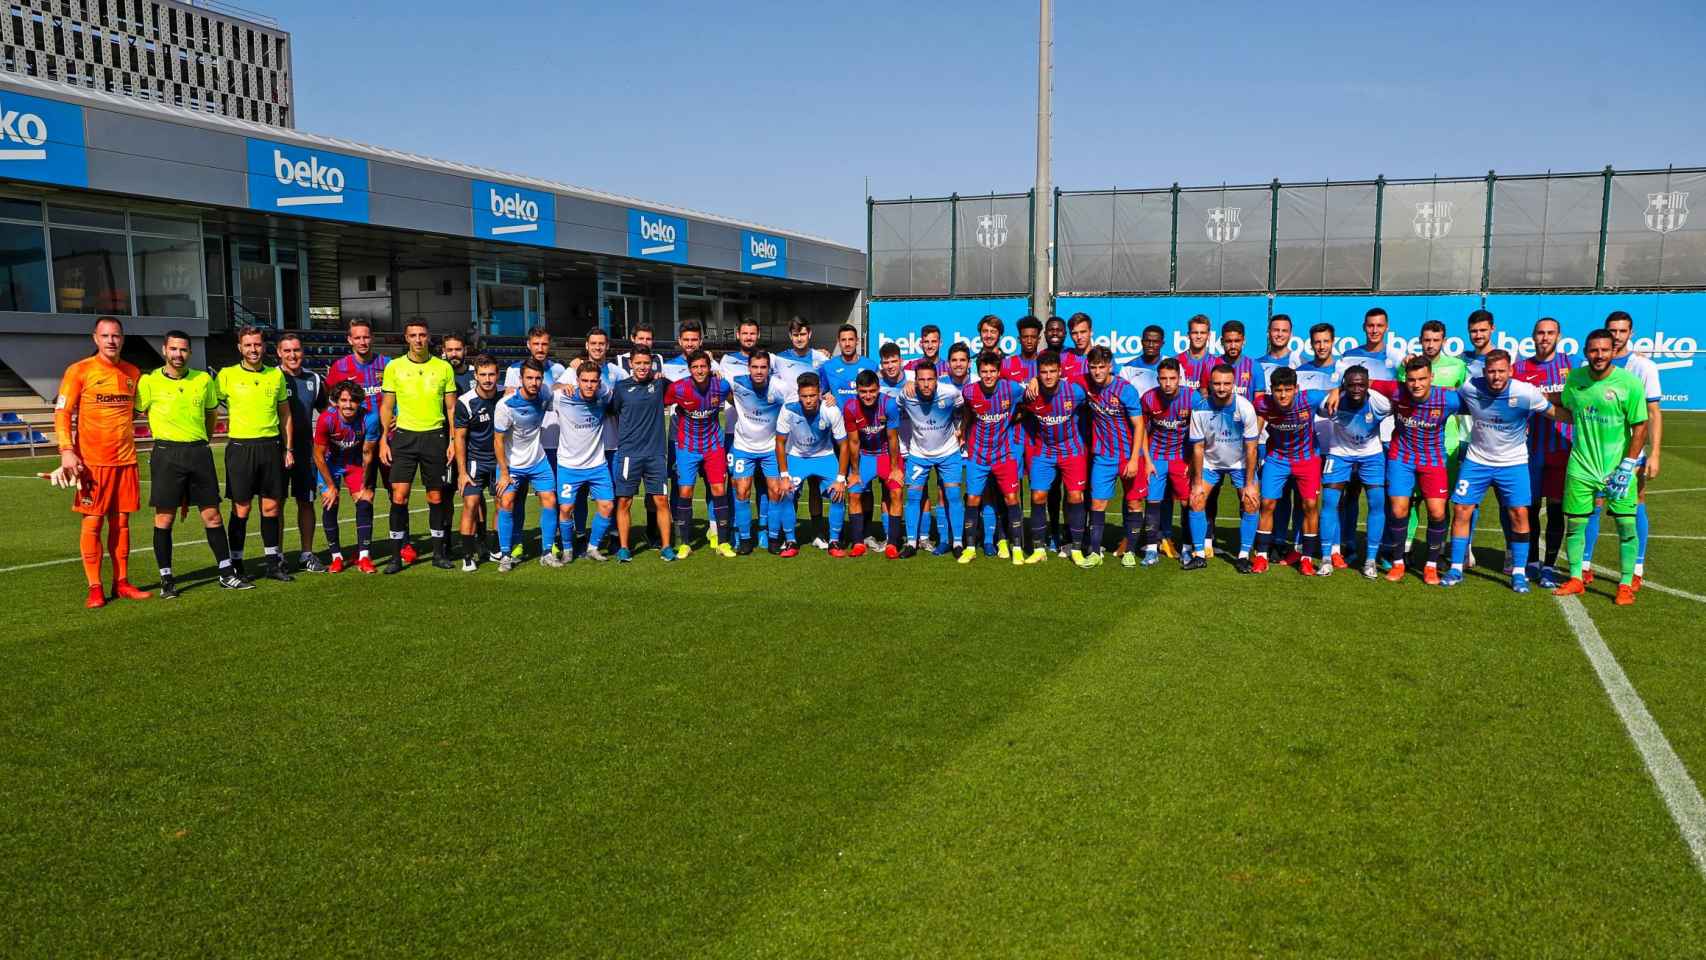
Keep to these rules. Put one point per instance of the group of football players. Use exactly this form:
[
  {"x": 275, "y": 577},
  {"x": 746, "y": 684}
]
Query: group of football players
[{"x": 948, "y": 448}]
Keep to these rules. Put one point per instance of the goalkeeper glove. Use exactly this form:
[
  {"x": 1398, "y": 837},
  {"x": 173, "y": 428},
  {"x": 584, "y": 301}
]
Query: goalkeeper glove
[{"x": 1618, "y": 483}]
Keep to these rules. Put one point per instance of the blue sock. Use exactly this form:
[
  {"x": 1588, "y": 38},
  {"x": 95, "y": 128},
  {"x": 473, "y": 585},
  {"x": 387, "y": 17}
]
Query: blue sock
[
  {"x": 1074, "y": 523},
  {"x": 1282, "y": 521},
  {"x": 581, "y": 498},
  {"x": 914, "y": 512},
  {"x": 773, "y": 523},
  {"x": 1199, "y": 529},
  {"x": 894, "y": 535},
  {"x": 837, "y": 512},
  {"x": 1134, "y": 523},
  {"x": 743, "y": 518},
  {"x": 1519, "y": 556},
  {"x": 1640, "y": 533},
  {"x": 1039, "y": 526},
  {"x": 548, "y": 528},
  {"x": 940, "y": 517},
  {"x": 1093, "y": 532},
  {"x": 506, "y": 530},
  {"x": 763, "y": 513},
  {"x": 1330, "y": 516},
  {"x": 566, "y": 529},
  {"x": 1592, "y": 535},
  {"x": 600, "y": 526},
  {"x": 956, "y": 515},
  {"x": 720, "y": 507},
  {"x": 1246, "y": 531},
  {"x": 1376, "y": 497},
  {"x": 1459, "y": 550},
  {"x": 987, "y": 514},
  {"x": 519, "y": 514},
  {"x": 790, "y": 516}
]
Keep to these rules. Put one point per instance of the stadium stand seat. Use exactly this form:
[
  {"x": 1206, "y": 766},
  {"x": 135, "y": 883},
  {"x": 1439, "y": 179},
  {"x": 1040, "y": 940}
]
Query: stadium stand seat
[{"x": 11, "y": 418}]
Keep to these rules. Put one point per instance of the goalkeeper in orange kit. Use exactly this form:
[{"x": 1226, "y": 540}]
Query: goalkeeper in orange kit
[{"x": 97, "y": 451}]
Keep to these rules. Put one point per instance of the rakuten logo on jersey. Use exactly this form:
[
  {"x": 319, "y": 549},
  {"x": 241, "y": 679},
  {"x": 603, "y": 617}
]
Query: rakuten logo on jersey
[
  {"x": 514, "y": 207},
  {"x": 326, "y": 181},
  {"x": 27, "y": 131}
]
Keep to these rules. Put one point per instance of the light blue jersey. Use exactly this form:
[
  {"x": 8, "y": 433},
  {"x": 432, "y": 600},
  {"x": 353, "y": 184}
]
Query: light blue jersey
[
  {"x": 1498, "y": 422},
  {"x": 811, "y": 436},
  {"x": 932, "y": 421},
  {"x": 522, "y": 423},
  {"x": 553, "y": 372},
  {"x": 580, "y": 424},
  {"x": 1354, "y": 431},
  {"x": 755, "y": 423},
  {"x": 1223, "y": 431}
]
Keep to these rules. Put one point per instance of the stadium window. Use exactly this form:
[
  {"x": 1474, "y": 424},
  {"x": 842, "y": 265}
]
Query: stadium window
[
  {"x": 23, "y": 257},
  {"x": 368, "y": 283}
]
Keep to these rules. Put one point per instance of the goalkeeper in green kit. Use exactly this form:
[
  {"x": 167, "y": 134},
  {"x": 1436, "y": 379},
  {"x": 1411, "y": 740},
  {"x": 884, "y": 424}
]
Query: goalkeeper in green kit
[{"x": 1608, "y": 406}]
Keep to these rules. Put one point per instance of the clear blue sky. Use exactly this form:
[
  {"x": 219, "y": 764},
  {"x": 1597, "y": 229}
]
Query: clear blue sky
[{"x": 777, "y": 112}]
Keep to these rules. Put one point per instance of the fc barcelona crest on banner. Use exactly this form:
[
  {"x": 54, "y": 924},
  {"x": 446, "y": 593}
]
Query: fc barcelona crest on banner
[
  {"x": 991, "y": 230},
  {"x": 1223, "y": 225},
  {"x": 1433, "y": 219},
  {"x": 1667, "y": 211}
]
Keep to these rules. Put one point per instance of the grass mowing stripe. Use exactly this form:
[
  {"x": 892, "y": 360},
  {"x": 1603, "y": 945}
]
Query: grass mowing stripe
[
  {"x": 1645, "y": 583},
  {"x": 141, "y": 549},
  {"x": 1680, "y": 794}
]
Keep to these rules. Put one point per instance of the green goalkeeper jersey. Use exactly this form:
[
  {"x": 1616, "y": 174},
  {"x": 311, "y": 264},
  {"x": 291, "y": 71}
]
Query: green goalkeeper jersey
[
  {"x": 1449, "y": 374},
  {"x": 1604, "y": 410}
]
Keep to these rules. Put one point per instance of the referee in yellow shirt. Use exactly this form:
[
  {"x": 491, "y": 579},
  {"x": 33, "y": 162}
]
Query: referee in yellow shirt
[
  {"x": 182, "y": 407},
  {"x": 258, "y": 450},
  {"x": 415, "y": 413}
]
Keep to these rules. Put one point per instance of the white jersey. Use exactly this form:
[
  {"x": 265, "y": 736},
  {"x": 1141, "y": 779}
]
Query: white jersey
[
  {"x": 1354, "y": 432},
  {"x": 730, "y": 365},
  {"x": 933, "y": 423},
  {"x": 553, "y": 372},
  {"x": 1223, "y": 431},
  {"x": 522, "y": 423},
  {"x": 1498, "y": 422},
  {"x": 755, "y": 426},
  {"x": 893, "y": 391},
  {"x": 580, "y": 444},
  {"x": 814, "y": 436},
  {"x": 1645, "y": 370},
  {"x": 1141, "y": 377},
  {"x": 786, "y": 367}
]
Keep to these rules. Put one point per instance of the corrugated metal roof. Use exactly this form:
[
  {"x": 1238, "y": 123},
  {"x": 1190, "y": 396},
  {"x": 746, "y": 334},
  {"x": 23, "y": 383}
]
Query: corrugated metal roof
[{"x": 251, "y": 128}]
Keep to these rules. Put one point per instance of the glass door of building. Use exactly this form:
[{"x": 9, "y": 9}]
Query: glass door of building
[
  {"x": 271, "y": 284},
  {"x": 507, "y": 309}
]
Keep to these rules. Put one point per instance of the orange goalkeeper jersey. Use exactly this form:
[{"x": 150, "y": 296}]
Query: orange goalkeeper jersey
[{"x": 102, "y": 398}]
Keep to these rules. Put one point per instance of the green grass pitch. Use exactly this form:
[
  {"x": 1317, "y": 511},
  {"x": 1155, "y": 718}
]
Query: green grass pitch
[{"x": 820, "y": 758}]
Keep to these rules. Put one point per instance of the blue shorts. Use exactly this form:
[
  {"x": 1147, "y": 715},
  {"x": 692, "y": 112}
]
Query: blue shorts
[
  {"x": 482, "y": 478},
  {"x": 1104, "y": 471},
  {"x": 949, "y": 469},
  {"x": 873, "y": 473},
  {"x": 540, "y": 477},
  {"x": 822, "y": 467},
  {"x": 1172, "y": 475},
  {"x": 1072, "y": 471},
  {"x": 1368, "y": 468},
  {"x": 1212, "y": 477},
  {"x": 743, "y": 465},
  {"x": 627, "y": 473},
  {"x": 596, "y": 480},
  {"x": 1510, "y": 483}
]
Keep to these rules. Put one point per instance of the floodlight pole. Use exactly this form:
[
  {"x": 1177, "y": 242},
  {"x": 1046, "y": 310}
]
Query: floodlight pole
[{"x": 1042, "y": 275}]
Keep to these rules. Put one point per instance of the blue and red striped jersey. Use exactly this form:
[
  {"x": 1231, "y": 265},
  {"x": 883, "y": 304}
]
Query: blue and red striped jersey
[
  {"x": 1546, "y": 437},
  {"x": 872, "y": 423},
  {"x": 367, "y": 376},
  {"x": 1167, "y": 421},
  {"x": 1193, "y": 370},
  {"x": 1247, "y": 375},
  {"x": 1418, "y": 438},
  {"x": 1112, "y": 405},
  {"x": 1291, "y": 430},
  {"x": 990, "y": 439},
  {"x": 696, "y": 426},
  {"x": 1073, "y": 364},
  {"x": 1018, "y": 369},
  {"x": 1054, "y": 420},
  {"x": 941, "y": 364}
]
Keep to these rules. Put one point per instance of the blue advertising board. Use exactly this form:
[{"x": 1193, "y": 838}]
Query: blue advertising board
[
  {"x": 898, "y": 321},
  {"x": 763, "y": 253},
  {"x": 307, "y": 181},
  {"x": 657, "y": 236},
  {"x": 514, "y": 214},
  {"x": 42, "y": 140}
]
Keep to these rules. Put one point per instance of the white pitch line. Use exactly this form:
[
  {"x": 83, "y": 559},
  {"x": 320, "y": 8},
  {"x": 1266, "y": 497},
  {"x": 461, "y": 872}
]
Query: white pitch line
[
  {"x": 1682, "y": 798},
  {"x": 1677, "y": 490},
  {"x": 1650, "y": 585},
  {"x": 175, "y": 543}
]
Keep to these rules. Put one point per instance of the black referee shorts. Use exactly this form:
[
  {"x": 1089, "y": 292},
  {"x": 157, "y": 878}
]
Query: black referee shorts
[
  {"x": 254, "y": 468},
  {"x": 421, "y": 450},
  {"x": 182, "y": 473}
]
